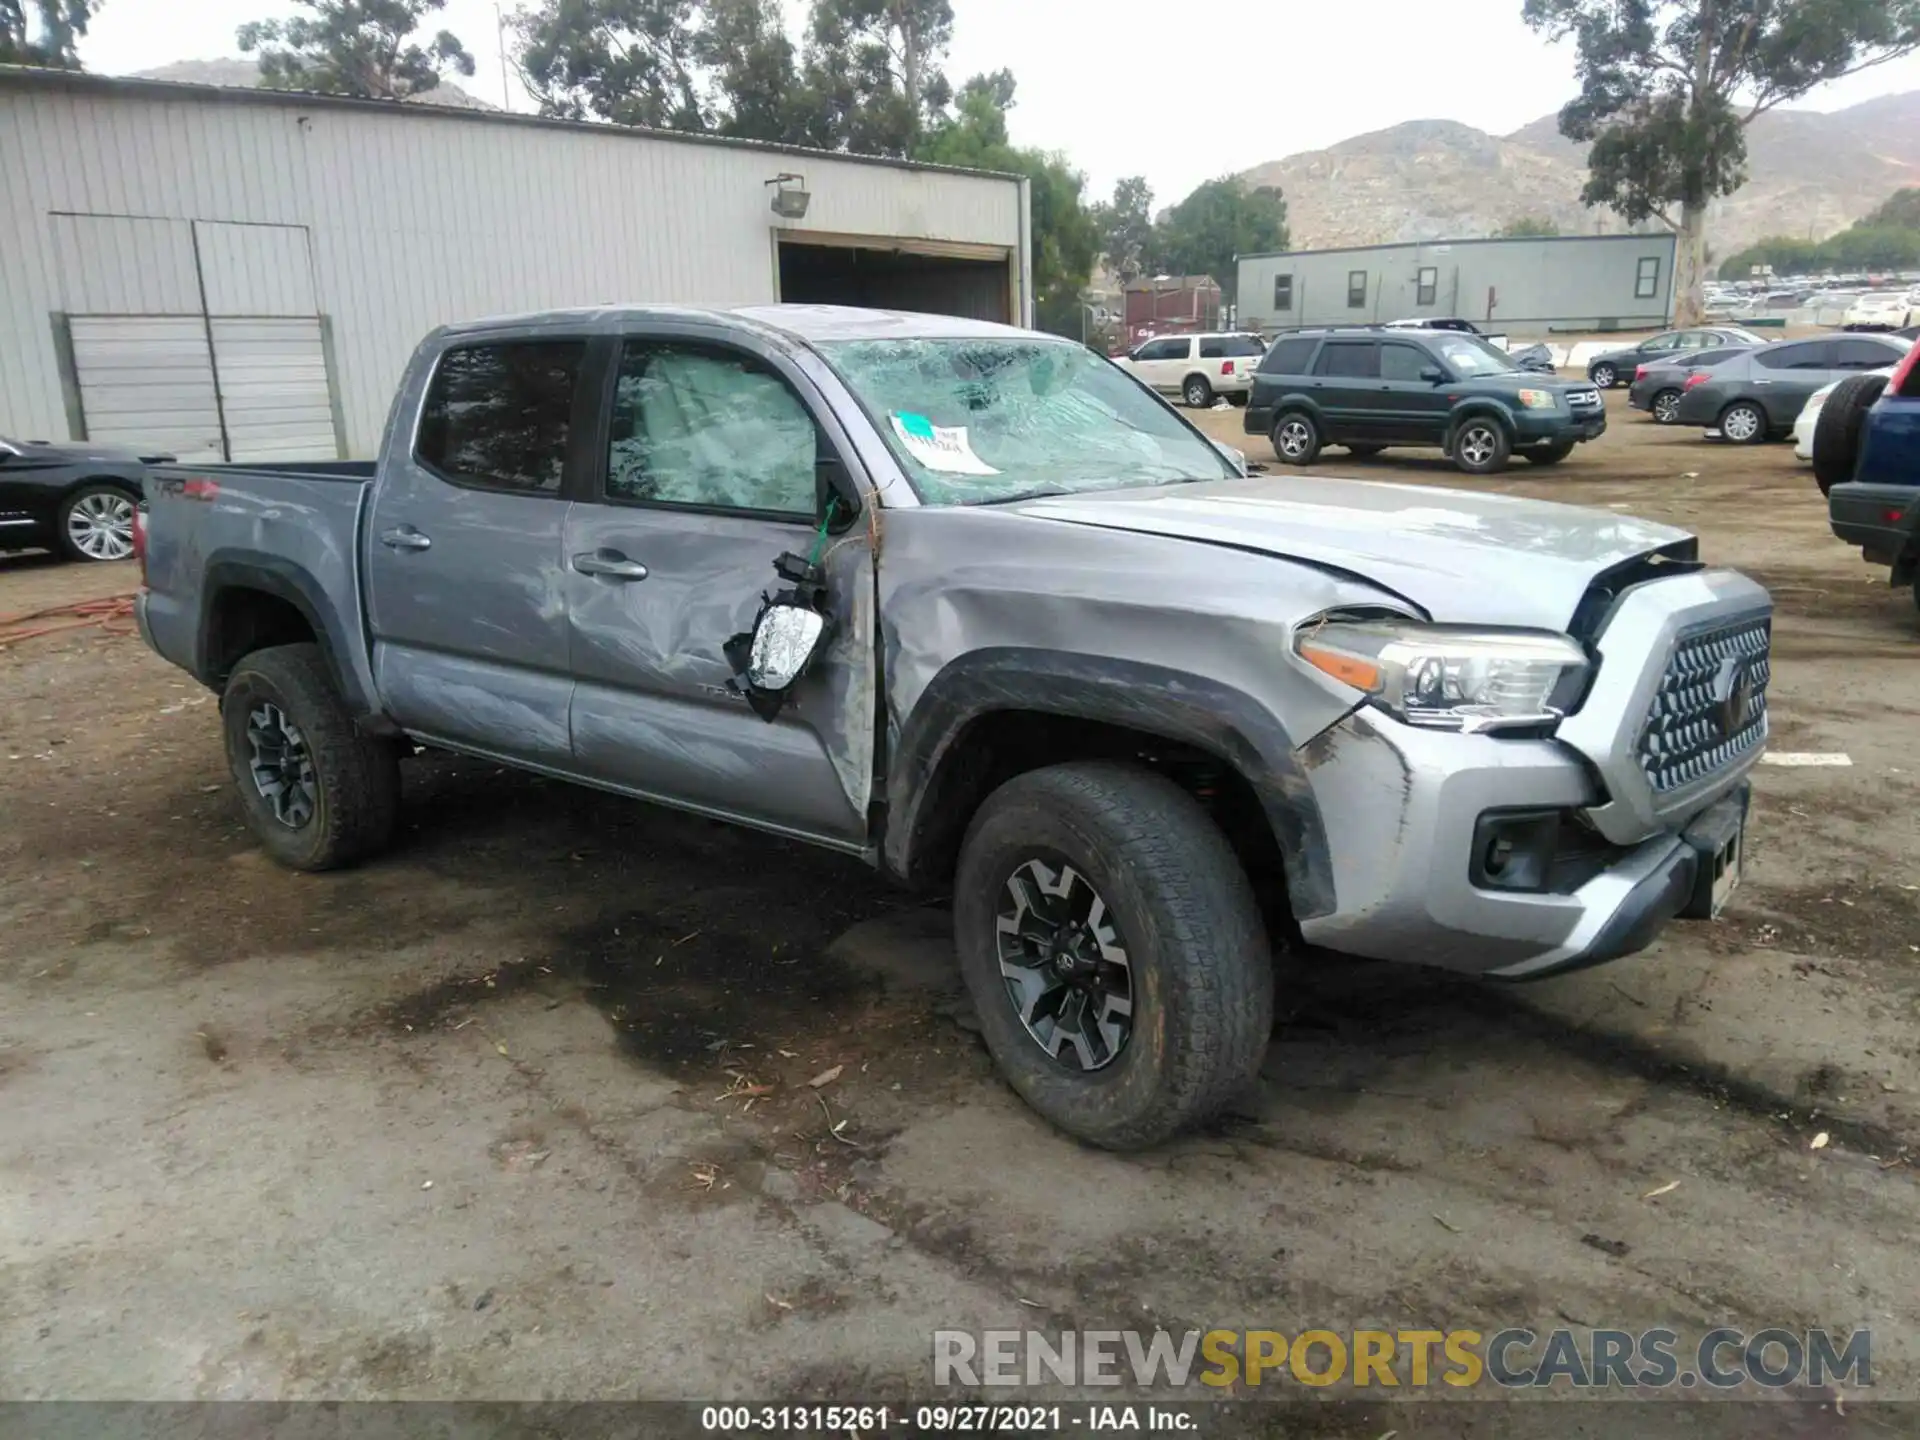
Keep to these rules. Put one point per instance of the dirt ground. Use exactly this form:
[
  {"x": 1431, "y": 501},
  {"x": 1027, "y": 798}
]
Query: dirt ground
[{"x": 521, "y": 1110}]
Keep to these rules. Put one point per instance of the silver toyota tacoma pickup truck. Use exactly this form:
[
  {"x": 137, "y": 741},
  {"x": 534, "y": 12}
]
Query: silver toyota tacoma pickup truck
[{"x": 974, "y": 605}]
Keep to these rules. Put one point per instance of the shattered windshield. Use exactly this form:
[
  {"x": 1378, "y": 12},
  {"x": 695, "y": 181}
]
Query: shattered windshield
[{"x": 974, "y": 421}]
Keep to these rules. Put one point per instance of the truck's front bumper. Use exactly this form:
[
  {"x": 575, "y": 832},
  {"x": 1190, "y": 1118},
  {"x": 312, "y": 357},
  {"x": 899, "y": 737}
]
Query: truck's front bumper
[
  {"x": 1410, "y": 878},
  {"x": 1601, "y": 833}
]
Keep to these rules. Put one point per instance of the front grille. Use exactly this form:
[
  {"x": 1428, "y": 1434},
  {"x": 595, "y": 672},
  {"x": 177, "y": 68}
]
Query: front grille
[
  {"x": 1711, "y": 707},
  {"x": 1583, "y": 399}
]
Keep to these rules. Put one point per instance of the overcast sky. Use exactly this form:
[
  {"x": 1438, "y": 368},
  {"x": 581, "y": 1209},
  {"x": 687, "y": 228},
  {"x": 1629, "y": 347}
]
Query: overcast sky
[{"x": 1176, "y": 92}]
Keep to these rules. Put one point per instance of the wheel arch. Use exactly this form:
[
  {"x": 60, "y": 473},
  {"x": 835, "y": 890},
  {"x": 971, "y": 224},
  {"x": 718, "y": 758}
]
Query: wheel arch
[
  {"x": 251, "y": 600},
  {"x": 996, "y": 713},
  {"x": 1479, "y": 408}
]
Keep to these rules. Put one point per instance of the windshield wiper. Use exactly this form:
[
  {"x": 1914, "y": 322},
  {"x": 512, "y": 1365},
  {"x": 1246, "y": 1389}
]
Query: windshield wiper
[{"x": 1039, "y": 492}]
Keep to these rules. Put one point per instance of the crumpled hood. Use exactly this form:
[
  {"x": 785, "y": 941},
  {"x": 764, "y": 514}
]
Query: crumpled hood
[{"x": 1462, "y": 556}]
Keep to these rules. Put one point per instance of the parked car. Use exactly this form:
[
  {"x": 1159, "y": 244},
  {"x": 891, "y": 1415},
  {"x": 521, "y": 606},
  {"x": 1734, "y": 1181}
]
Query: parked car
[
  {"x": 1658, "y": 384},
  {"x": 1537, "y": 358},
  {"x": 77, "y": 499},
  {"x": 1757, "y": 396},
  {"x": 1885, "y": 311},
  {"x": 1196, "y": 367},
  {"x": 1367, "y": 389},
  {"x": 1878, "y": 508},
  {"x": 1139, "y": 709},
  {"x": 1606, "y": 368}
]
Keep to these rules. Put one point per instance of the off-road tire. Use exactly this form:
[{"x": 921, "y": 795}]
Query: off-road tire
[
  {"x": 1551, "y": 453},
  {"x": 1309, "y": 450},
  {"x": 1198, "y": 952},
  {"x": 1496, "y": 459},
  {"x": 1197, "y": 392},
  {"x": 1836, "y": 434},
  {"x": 356, "y": 776}
]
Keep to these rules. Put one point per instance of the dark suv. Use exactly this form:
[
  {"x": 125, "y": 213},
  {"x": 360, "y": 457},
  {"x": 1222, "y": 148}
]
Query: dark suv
[{"x": 1370, "y": 388}]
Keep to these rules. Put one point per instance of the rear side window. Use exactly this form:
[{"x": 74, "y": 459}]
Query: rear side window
[
  {"x": 497, "y": 417},
  {"x": 1356, "y": 360},
  {"x": 1289, "y": 357},
  {"x": 1177, "y": 348},
  {"x": 1814, "y": 355},
  {"x": 1231, "y": 347}
]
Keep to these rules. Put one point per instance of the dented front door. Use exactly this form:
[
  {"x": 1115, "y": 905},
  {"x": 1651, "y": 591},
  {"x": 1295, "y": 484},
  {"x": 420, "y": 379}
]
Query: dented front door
[{"x": 705, "y": 477}]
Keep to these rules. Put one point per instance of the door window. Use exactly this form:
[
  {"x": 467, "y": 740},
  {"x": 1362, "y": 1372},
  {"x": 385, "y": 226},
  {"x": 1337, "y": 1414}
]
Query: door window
[
  {"x": 497, "y": 417},
  {"x": 1353, "y": 360},
  {"x": 1289, "y": 357},
  {"x": 1403, "y": 362},
  {"x": 708, "y": 428},
  {"x": 1863, "y": 355}
]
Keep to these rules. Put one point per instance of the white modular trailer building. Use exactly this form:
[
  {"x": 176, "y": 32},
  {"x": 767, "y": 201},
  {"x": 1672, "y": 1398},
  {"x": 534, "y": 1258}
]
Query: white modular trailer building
[
  {"x": 242, "y": 274},
  {"x": 1533, "y": 285}
]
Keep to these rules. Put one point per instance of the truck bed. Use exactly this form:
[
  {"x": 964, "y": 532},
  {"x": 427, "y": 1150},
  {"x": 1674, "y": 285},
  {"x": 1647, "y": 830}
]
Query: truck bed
[{"x": 226, "y": 540}]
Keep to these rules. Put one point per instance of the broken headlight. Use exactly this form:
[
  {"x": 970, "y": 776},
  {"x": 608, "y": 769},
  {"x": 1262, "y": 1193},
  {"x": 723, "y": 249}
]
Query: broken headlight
[{"x": 1446, "y": 677}]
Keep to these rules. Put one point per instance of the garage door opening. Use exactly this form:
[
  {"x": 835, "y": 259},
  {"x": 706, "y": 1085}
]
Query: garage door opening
[{"x": 976, "y": 285}]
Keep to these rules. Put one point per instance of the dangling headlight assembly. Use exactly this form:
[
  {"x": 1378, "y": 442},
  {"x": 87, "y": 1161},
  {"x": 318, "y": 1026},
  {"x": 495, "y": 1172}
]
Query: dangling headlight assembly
[{"x": 1445, "y": 677}]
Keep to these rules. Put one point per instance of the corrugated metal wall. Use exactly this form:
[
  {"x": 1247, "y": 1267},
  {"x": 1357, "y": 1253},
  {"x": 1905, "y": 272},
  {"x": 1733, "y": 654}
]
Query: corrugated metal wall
[
  {"x": 1576, "y": 283},
  {"x": 412, "y": 219}
]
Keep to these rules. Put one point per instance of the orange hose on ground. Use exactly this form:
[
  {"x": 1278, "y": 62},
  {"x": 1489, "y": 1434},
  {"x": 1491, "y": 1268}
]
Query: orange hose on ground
[{"x": 111, "y": 613}]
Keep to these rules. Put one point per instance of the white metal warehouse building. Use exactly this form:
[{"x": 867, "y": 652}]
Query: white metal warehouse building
[{"x": 243, "y": 273}]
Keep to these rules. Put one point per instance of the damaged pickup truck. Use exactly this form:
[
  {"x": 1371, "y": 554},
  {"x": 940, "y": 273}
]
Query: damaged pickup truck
[{"x": 970, "y": 603}]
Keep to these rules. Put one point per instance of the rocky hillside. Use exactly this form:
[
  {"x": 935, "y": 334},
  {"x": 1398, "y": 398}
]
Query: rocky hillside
[
  {"x": 1436, "y": 179},
  {"x": 242, "y": 72}
]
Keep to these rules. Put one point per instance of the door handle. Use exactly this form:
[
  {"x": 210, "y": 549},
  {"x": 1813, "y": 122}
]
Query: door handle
[
  {"x": 405, "y": 537},
  {"x": 610, "y": 565}
]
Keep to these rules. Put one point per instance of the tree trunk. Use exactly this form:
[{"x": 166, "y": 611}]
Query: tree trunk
[{"x": 1690, "y": 267}]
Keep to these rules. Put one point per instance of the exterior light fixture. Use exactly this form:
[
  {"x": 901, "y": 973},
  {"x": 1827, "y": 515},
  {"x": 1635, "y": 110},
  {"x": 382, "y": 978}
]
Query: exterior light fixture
[{"x": 790, "y": 196}]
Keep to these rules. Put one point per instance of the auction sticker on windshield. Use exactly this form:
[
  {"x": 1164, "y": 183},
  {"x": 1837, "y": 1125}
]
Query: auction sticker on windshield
[{"x": 938, "y": 447}]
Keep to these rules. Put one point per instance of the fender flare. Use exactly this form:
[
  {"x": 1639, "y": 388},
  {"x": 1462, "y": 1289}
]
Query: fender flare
[
  {"x": 1224, "y": 722},
  {"x": 240, "y": 569}
]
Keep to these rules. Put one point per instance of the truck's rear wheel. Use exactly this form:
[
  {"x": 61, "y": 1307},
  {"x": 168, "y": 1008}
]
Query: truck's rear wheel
[
  {"x": 1114, "y": 950},
  {"x": 317, "y": 792}
]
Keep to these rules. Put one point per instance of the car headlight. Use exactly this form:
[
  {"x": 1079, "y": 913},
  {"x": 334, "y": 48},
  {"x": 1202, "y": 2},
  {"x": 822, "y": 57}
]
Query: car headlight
[
  {"x": 1445, "y": 677},
  {"x": 1537, "y": 399}
]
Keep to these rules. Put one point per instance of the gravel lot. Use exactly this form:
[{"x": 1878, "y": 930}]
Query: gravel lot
[{"x": 484, "y": 1119}]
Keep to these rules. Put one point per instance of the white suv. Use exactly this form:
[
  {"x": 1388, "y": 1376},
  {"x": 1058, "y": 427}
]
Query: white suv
[{"x": 1197, "y": 367}]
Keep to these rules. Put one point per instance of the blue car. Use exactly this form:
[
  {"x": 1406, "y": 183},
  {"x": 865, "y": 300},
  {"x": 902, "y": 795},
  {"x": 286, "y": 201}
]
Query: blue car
[{"x": 1879, "y": 508}]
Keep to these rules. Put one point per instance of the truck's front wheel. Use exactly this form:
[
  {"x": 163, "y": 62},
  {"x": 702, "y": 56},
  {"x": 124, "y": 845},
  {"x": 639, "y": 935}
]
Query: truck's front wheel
[
  {"x": 1114, "y": 950},
  {"x": 318, "y": 793}
]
